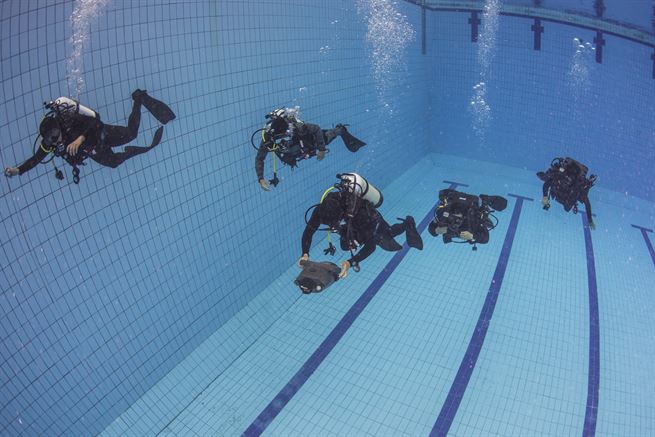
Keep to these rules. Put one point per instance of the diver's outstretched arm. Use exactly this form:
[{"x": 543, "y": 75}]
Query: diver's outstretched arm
[
  {"x": 310, "y": 229},
  {"x": 545, "y": 202},
  {"x": 546, "y": 187},
  {"x": 259, "y": 165},
  {"x": 365, "y": 252},
  {"x": 11, "y": 171},
  {"x": 28, "y": 165}
]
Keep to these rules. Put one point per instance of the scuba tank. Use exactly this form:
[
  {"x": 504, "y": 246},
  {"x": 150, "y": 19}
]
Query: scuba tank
[
  {"x": 361, "y": 187},
  {"x": 64, "y": 105}
]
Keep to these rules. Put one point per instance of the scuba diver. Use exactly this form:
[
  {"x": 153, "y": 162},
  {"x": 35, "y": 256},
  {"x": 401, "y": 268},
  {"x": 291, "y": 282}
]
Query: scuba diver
[
  {"x": 292, "y": 140},
  {"x": 465, "y": 216},
  {"x": 566, "y": 181},
  {"x": 74, "y": 132},
  {"x": 351, "y": 211}
]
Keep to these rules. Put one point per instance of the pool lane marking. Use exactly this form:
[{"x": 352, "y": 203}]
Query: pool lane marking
[
  {"x": 593, "y": 377},
  {"x": 649, "y": 245},
  {"x": 466, "y": 367},
  {"x": 271, "y": 411}
]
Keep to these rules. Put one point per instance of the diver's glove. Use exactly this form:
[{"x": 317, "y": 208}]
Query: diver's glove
[
  {"x": 320, "y": 155},
  {"x": 344, "y": 269},
  {"x": 264, "y": 184},
  {"x": 304, "y": 257},
  {"x": 592, "y": 225},
  {"x": 545, "y": 203},
  {"x": 11, "y": 171},
  {"x": 466, "y": 235}
]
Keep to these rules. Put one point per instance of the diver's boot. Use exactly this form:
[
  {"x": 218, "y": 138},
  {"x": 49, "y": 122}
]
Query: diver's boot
[
  {"x": 411, "y": 233},
  {"x": 136, "y": 95},
  {"x": 339, "y": 129}
]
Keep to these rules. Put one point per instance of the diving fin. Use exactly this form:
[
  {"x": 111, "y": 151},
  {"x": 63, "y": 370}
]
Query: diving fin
[
  {"x": 156, "y": 139},
  {"x": 160, "y": 110},
  {"x": 411, "y": 233},
  {"x": 353, "y": 144},
  {"x": 317, "y": 276}
]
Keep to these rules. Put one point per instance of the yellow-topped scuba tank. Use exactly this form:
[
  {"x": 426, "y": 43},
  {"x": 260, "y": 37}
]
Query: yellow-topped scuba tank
[{"x": 361, "y": 187}]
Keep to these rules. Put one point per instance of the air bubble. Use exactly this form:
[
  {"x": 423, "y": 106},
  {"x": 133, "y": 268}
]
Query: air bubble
[{"x": 84, "y": 12}]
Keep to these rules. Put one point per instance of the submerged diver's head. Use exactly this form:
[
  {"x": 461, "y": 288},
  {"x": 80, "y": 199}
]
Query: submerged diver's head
[
  {"x": 282, "y": 123},
  {"x": 333, "y": 209},
  {"x": 279, "y": 127},
  {"x": 349, "y": 193},
  {"x": 50, "y": 132},
  {"x": 336, "y": 202}
]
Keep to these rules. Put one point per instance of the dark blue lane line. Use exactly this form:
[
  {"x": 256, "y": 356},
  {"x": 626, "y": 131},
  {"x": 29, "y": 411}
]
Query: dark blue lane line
[
  {"x": 593, "y": 379},
  {"x": 466, "y": 367},
  {"x": 298, "y": 380},
  {"x": 649, "y": 245}
]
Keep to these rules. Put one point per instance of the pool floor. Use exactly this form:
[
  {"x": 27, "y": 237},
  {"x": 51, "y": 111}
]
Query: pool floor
[{"x": 546, "y": 330}]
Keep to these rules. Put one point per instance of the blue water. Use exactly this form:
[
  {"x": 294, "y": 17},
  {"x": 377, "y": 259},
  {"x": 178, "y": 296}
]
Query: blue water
[{"x": 157, "y": 298}]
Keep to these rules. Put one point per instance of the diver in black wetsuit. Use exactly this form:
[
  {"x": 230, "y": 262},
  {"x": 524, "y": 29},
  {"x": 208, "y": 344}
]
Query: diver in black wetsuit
[
  {"x": 74, "y": 132},
  {"x": 352, "y": 212},
  {"x": 292, "y": 140},
  {"x": 566, "y": 181},
  {"x": 465, "y": 216}
]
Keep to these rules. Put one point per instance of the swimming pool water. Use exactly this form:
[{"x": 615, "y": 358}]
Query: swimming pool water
[{"x": 157, "y": 298}]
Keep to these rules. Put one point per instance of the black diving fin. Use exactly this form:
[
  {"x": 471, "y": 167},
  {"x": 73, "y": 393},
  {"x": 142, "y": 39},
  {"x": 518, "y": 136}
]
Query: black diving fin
[
  {"x": 160, "y": 110},
  {"x": 317, "y": 276},
  {"x": 352, "y": 143},
  {"x": 156, "y": 139},
  {"x": 411, "y": 233}
]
